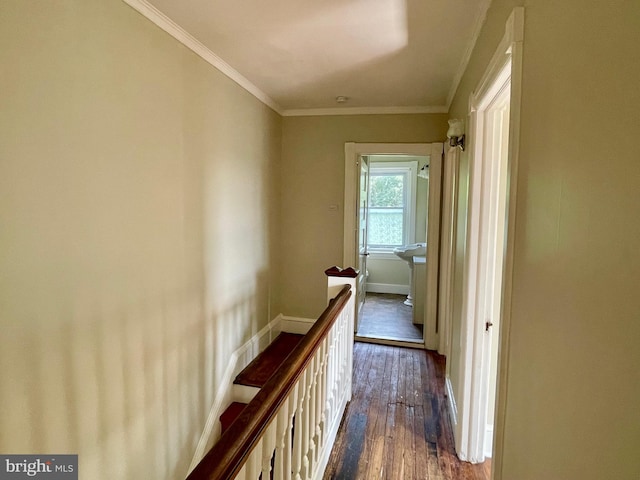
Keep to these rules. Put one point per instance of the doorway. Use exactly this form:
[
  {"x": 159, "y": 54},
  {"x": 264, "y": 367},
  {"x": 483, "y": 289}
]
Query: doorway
[
  {"x": 494, "y": 117},
  {"x": 384, "y": 284},
  {"x": 393, "y": 215}
]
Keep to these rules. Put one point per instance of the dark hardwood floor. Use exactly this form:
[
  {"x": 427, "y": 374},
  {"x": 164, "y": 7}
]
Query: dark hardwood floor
[
  {"x": 384, "y": 315},
  {"x": 397, "y": 426}
]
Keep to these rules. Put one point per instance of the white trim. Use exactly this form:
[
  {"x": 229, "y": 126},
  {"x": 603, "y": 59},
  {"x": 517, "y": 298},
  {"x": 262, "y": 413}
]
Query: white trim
[
  {"x": 176, "y": 31},
  {"x": 388, "y": 288},
  {"x": 161, "y": 20},
  {"x": 385, "y": 255},
  {"x": 378, "y": 340},
  {"x": 515, "y": 26},
  {"x": 238, "y": 360},
  {"x": 469, "y": 436},
  {"x": 451, "y": 402},
  {"x": 488, "y": 441},
  {"x": 431, "y": 331},
  {"x": 296, "y": 325},
  {"x": 480, "y": 265},
  {"x": 514, "y": 34},
  {"x": 309, "y": 112},
  {"x": 447, "y": 252},
  {"x": 350, "y": 220},
  {"x": 477, "y": 28}
]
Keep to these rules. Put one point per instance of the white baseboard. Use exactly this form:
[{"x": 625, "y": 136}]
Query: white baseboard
[
  {"x": 488, "y": 441},
  {"x": 388, "y": 288},
  {"x": 237, "y": 361},
  {"x": 451, "y": 403},
  {"x": 295, "y": 324}
]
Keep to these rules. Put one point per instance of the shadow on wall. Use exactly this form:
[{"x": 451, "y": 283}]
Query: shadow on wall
[
  {"x": 119, "y": 385},
  {"x": 132, "y": 263}
]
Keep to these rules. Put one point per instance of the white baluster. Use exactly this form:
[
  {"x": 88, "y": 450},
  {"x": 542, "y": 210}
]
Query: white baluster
[
  {"x": 350, "y": 309},
  {"x": 288, "y": 440},
  {"x": 313, "y": 424},
  {"x": 281, "y": 431},
  {"x": 298, "y": 433},
  {"x": 254, "y": 462},
  {"x": 323, "y": 391},
  {"x": 242, "y": 474},
  {"x": 343, "y": 352},
  {"x": 306, "y": 415},
  {"x": 339, "y": 355},
  {"x": 336, "y": 376},
  {"x": 268, "y": 448},
  {"x": 330, "y": 373}
]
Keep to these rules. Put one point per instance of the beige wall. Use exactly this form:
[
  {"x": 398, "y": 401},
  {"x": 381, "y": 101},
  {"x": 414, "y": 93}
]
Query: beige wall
[
  {"x": 138, "y": 222},
  {"x": 392, "y": 271},
  {"x": 573, "y": 382},
  {"x": 312, "y": 180}
]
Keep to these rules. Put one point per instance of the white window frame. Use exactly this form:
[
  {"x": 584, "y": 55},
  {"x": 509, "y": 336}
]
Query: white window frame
[{"x": 410, "y": 170}]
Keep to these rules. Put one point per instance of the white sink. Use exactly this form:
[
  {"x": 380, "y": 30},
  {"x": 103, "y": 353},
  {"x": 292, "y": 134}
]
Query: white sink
[{"x": 406, "y": 253}]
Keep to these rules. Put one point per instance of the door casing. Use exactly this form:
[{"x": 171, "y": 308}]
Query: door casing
[
  {"x": 351, "y": 187},
  {"x": 505, "y": 66}
]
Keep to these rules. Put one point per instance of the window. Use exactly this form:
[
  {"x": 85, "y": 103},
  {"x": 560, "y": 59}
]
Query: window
[{"x": 392, "y": 202}]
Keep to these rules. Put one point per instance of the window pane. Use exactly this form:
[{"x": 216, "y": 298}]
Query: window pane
[
  {"x": 387, "y": 190},
  {"x": 386, "y": 226},
  {"x": 386, "y": 211}
]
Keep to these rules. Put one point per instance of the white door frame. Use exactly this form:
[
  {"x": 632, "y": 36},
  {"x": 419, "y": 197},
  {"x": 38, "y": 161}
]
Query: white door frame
[
  {"x": 505, "y": 66},
  {"x": 447, "y": 247},
  {"x": 352, "y": 151}
]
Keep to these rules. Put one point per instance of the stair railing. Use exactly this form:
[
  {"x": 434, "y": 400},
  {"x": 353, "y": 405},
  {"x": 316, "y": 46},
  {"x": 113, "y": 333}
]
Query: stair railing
[{"x": 288, "y": 429}]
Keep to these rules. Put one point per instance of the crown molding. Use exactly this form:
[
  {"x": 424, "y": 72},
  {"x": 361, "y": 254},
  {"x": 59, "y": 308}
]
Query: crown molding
[
  {"x": 308, "y": 112},
  {"x": 477, "y": 28},
  {"x": 176, "y": 31}
]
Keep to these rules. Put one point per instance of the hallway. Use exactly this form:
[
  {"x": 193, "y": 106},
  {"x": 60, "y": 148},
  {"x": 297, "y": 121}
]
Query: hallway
[{"x": 397, "y": 426}]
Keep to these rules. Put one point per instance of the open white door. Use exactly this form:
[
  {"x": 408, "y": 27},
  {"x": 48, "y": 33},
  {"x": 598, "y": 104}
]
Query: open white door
[{"x": 363, "y": 208}]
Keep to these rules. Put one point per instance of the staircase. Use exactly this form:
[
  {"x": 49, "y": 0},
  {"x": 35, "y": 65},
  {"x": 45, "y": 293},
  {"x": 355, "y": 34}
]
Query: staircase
[
  {"x": 288, "y": 402},
  {"x": 250, "y": 380}
]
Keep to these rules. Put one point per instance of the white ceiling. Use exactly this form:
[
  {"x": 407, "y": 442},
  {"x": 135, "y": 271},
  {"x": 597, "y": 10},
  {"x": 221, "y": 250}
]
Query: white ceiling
[{"x": 301, "y": 54}]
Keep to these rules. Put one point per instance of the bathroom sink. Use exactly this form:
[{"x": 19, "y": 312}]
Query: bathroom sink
[{"x": 406, "y": 253}]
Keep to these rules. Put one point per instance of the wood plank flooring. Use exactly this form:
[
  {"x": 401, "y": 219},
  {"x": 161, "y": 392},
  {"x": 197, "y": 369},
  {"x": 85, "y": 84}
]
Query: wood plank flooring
[
  {"x": 384, "y": 315},
  {"x": 397, "y": 426}
]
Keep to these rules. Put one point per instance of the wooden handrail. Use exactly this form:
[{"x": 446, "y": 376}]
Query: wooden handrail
[{"x": 228, "y": 455}]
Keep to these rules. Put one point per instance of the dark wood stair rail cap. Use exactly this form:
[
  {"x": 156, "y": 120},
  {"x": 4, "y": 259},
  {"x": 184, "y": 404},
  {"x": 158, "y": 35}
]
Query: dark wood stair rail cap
[
  {"x": 339, "y": 272},
  {"x": 227, "y": 457}
]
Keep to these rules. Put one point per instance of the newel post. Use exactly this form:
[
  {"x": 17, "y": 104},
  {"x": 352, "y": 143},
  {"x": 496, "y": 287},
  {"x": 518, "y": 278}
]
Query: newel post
[{"x": 338, "y": 277}]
